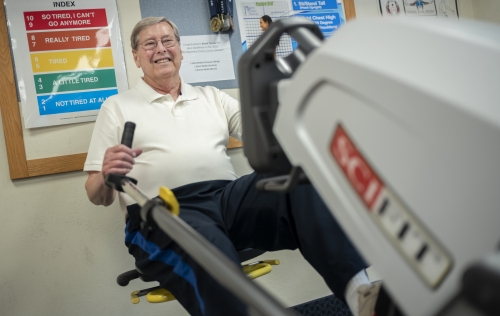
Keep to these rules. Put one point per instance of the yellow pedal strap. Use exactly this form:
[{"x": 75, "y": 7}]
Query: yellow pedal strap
[
  {"x": 253, "y": 271},
  {"x": 159, "y": 296}
]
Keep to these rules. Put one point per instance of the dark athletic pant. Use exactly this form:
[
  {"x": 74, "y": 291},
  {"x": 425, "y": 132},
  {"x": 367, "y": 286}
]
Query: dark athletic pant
[{"x": 233, "y": 216}]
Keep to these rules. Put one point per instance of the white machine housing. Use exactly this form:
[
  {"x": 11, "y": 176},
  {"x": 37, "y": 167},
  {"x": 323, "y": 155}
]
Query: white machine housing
[{"x": 419, "y": 105}]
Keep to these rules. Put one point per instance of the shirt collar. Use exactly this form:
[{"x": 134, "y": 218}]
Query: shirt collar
[{"x": 187, "y": 91}]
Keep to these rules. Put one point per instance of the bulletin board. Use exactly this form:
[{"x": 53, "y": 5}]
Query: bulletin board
[
  {"x": 195, "y": 21},
  {"x": 19, "y": 166}
]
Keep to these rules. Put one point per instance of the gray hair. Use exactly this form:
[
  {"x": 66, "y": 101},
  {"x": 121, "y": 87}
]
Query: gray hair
[{"x": 147, "y": 22}]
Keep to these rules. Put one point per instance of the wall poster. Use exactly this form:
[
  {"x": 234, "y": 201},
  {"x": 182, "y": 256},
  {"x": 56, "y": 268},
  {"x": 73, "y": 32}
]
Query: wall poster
[
  {"x": 206, "y": 58},
  {"x": 327, "y": 14},
  {"x": 439, "y": 8},
  {"x": 68, "y": 58}
]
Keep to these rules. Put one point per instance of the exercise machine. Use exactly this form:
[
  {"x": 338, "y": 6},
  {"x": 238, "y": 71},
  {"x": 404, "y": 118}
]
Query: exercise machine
[{"x": 396, "y": 122}]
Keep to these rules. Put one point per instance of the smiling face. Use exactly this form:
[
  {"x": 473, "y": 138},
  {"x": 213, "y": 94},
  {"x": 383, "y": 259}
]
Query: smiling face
[
  {"x": 263, "y": 25},
  {"x": 160, "y": 63}
]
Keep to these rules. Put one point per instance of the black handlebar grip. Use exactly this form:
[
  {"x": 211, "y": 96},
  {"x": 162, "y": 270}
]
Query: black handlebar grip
[{"x": 128, "y": 134}]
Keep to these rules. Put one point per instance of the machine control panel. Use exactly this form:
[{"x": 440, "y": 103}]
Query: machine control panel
[{"x": 403, "y": 230}]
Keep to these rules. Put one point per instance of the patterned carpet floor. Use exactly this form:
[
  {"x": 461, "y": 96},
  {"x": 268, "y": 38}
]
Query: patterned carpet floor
[{"x": 325, "y": 306}]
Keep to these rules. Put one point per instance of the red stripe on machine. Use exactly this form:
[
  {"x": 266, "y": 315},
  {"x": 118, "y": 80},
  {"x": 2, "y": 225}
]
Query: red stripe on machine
[{"x": 359, "y": 173}]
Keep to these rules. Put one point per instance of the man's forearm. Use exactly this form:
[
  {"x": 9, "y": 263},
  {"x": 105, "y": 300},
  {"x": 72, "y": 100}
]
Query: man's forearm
[{"x": 97, "y": 192}]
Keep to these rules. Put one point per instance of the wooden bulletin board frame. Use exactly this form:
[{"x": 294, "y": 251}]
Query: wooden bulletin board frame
[{"x": 19, "y": 166}]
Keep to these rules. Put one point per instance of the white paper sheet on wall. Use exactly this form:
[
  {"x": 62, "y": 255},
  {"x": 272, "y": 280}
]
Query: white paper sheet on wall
[{"x": 206, "y": 58}]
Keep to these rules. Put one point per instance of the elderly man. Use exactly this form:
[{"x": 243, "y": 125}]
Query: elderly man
[{"x": 180, "y": 143}]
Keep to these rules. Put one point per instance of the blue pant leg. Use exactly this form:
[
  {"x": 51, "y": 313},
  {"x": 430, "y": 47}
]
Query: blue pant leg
[
  {"x": 159, "y": 257},
  {"x": 274, "y": 221},
  {"x": 322, "y": 241}
]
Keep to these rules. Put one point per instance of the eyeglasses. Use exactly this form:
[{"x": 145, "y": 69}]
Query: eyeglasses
[{"x": 151, "y": 44}]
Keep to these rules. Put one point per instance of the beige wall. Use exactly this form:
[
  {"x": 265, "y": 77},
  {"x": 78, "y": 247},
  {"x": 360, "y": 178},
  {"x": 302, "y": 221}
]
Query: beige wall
[
  {"x": 487, "y": 10},
  {"x": 60, "y": 255}
]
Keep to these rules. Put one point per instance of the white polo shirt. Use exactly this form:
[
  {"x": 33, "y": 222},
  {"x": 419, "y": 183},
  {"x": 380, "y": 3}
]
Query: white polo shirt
[{"x": 183, "y": 141}]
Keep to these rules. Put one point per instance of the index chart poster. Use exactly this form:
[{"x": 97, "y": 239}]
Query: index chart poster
[{"x": 68, "y": 58}]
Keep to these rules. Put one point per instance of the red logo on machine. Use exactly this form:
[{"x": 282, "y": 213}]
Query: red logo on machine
[{"x": 363, "y": 179}]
